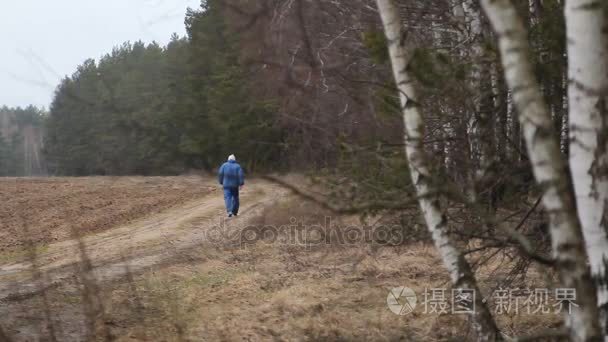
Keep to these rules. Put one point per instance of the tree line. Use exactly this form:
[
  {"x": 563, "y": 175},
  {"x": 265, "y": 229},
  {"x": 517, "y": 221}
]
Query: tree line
[
  {"x": 151, "y": 109},
  {"x": 21, "y": 134}
]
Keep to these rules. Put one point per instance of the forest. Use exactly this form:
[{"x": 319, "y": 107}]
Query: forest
[
  {"x": 148, "y": 109},
  {"x": 21, "y": 141},
  {"x": 300, "y": 92},
  {"x": 473, "y": 111}
]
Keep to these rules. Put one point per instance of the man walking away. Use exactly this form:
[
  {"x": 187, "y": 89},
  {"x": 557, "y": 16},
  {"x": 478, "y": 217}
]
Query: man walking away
[{"x": 231, "y": 177}]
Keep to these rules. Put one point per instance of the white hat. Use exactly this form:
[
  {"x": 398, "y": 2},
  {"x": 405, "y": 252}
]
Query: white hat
[{"x": 231, "y": 157}]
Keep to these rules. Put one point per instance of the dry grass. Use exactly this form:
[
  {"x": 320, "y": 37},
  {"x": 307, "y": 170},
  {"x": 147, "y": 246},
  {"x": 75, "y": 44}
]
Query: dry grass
[{"x": 272, "y": 291}]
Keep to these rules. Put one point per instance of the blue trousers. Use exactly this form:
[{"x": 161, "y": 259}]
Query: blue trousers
[{"x": 231, "y": 197}]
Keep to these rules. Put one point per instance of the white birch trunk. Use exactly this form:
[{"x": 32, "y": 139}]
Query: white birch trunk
[
  {"x": 460, "y": 272},
  {"x": 587, "y": 36},
  {"x": 481, "y": 142},
  {"x": 565, "y": 132},
  {"x": 479, "y": 147},
  {"x": 549, "y": 167}
]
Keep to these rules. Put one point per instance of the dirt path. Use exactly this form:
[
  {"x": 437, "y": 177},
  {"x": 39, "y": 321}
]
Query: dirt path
[{"x": 133, "y": 247}]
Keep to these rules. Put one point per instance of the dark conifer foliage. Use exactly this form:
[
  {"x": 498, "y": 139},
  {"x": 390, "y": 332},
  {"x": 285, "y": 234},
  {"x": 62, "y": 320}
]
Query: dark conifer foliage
[{"x": 151, "y": 109}]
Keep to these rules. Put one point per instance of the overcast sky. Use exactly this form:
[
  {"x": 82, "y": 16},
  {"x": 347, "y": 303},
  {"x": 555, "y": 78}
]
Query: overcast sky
[{"x": 43, "y": 40}]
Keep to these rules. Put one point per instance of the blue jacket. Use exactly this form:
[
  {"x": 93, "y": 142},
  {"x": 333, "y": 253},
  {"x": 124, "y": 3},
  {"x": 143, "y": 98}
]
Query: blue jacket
[{"x": 231, "y": 175}]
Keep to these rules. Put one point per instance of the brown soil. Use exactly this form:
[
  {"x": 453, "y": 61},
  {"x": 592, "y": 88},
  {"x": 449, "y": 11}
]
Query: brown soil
[{"x": 51, "y": 209}]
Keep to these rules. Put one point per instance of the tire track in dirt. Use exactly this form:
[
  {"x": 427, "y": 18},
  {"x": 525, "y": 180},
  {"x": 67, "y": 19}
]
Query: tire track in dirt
[{"x": 134, "y": 247}]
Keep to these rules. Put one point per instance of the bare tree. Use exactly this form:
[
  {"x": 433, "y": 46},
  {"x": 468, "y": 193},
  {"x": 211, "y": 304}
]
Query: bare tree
[
  {"x": 468, "y": 15},
  {"x": 549, "y": 167},
  {"x": 586, "y": 23},
  {"x": 460, "y": 271}
]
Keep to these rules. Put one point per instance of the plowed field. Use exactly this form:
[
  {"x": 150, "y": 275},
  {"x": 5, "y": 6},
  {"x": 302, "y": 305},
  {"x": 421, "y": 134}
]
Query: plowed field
[{"x": 52, "y": 209}]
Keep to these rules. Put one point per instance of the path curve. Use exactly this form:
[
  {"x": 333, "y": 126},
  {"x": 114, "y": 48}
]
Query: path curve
[{"x": 134, "y": 247}]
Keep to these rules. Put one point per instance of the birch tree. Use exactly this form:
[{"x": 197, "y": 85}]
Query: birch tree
[
  {"x": 462, "y": 277},
  {"x": 482, "y": 144},
  {"x": 586, "y": 23},
  {"x": 548, "y": 166}
]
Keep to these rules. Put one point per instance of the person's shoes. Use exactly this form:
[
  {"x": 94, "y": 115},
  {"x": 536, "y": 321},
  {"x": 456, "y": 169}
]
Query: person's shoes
[
  {"x": 229, "y": 214},
  {"x": 235, "y": 214}
]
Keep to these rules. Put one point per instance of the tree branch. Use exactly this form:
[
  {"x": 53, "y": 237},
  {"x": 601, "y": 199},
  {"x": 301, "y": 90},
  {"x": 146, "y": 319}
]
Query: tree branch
[{"x": 409, "y": 204}]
